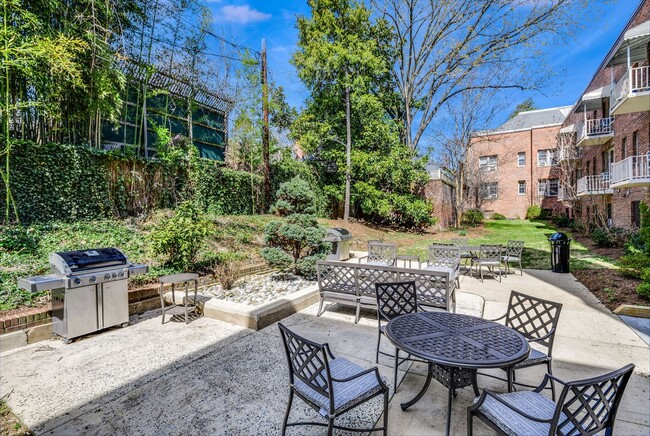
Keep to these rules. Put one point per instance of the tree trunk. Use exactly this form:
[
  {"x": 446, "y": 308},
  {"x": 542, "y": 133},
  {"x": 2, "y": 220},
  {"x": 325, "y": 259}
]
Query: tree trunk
[{"x": 348, "y": 149}]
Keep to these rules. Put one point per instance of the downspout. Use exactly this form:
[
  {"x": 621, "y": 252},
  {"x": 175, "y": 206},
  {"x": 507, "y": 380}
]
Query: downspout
[{"x": 531, "y": 168}]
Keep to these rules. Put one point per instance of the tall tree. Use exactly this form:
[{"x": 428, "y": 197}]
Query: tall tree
[
  {"x": 339, "y": 54},
  {"x": 526, "y": 105},
  {"x": 440, "y": 43}
]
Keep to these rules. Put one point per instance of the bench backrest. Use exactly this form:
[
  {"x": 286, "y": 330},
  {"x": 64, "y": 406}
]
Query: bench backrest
[{"x": 433, "y": 288}]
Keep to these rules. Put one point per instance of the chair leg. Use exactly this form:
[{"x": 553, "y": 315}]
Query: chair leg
[
  {"x": 396, "y": 367},
  {"x": 521, "y": 269},
  {"x": 358, "y": 316},
  {"x": 286, "y": 415},
  {"x": 470, "y": 423},
  {"x": 511, "y": 376},
  {"x": 480, "y": 269},
  {"x": 550, "y": 371},
  {"x": 378, "y": 342},
  {"x": 386, "y": 413},
  {"x": 320, "y": 306},
  {"x": 330, "y": 426}
]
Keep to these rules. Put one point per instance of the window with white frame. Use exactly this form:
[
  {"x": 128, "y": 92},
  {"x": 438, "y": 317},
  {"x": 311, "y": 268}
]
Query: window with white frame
[
  {"x": 521, "y": 187},
  {"x": 521, "y": 158},
  {"x": 546, "y": 158},
  {"x": 487, "y": 163},
  {"x": 548, "y": 187},
  {"x": 489, "y": 191}
]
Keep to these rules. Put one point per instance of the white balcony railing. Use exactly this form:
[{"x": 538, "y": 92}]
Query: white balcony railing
[
  {"x": 634, "y": 170},
  {"x": 570, "y": 152},
  {"x": 636, "y": 79},
  {"x": 594, "y": 185},
  {"x": 595, "y": 127},
  {"x": 566, "y": 193},
  {"x": 441, "y": 174}
]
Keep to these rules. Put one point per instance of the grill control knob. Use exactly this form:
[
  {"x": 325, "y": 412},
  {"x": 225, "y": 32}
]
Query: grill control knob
[
  {"x": 107, "y": 276},
  {"x": 76, "y": 281},
  {"x": 114, "y": 275},
  {"x": 121, "y": 274},
  {"x": 93, "y": 279}
]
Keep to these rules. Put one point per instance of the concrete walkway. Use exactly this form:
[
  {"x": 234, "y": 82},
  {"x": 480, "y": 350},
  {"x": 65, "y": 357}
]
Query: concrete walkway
[{"x": 211, "y": 377}]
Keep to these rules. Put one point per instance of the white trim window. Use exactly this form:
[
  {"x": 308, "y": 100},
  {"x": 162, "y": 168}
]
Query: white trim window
[
  {"x": 548, "y": 187},
  {"x": 490, "y": 191},
  {"x": 546, "y": 158},
  {"x": 521, "y": 187},
  {"x": 521, "y": 159},
  {"x": 487, "y": 163}
]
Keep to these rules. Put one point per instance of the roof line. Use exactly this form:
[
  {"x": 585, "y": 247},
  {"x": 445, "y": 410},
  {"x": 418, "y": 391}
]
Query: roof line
[
  {"x": 542, "y": 110},
  {"x": 541, "y": 126}
]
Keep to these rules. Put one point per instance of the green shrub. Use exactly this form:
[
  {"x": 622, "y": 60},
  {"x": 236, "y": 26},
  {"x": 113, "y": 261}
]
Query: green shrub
[
  {"x": 294, "y": 196},
  {"x": 632, "y": 265},
  {"x": 473, "y": 217},
  {"x": 561, "y": 220},
  {"x": 533, "y": 212},
  {"x": 644, "y": 288},
  {"x": 295, "y": 243},
  {"x": 178, "y": 239},
  {"x": 498, "y": 217},
  {"x": 611, "y": 236}
]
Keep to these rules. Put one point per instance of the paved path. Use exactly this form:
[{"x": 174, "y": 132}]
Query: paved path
[{"x": 210, "y": 377}]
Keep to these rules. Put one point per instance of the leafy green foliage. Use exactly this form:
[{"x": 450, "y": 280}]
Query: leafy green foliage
[
  {"x": 632, "y": 265},
  {"x": 295, "y": 243},
  {"x": 179, "y": 238},
  {"x": 644, "y": 288},
  {"x": 497, "y": 216},
  {"x": 294, "y": 196},
  {"x": 524, "y": 106},
  {"x": 18, "y": 239},
  {"x": 534, "y": 212},
  {"x": 611, "y": 236},
  {"x": 473, "y": 217}
]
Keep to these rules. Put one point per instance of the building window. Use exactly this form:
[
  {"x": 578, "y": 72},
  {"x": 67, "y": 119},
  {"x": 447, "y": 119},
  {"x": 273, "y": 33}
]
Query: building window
[
  {"x": 521, "y": 158},
  {"x": 548, "y": 187},
  {"x": 521, "y": 188},
  {"x": 546, "y": 158},
  {"x": 489, "y": 191},
  {"x": 623, "y": 148},
  {"x": 487, "y": 163}
]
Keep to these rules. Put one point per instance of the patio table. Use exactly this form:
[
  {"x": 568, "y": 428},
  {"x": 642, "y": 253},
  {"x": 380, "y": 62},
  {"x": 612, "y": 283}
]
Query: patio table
[
  {"x": 176, "y": 279},
  {"x": 458, "y": 345},
  {"x": 408, "y": 258}
]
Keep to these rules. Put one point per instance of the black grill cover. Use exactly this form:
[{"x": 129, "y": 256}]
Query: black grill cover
[{"x": 93, "y": 258}]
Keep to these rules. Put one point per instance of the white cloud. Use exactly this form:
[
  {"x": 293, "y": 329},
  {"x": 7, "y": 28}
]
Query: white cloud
[{"x": 242, "y": 14}]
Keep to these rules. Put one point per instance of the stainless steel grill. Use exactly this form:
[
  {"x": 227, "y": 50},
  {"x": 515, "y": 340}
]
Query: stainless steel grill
[{"x": 89, "y": 290}]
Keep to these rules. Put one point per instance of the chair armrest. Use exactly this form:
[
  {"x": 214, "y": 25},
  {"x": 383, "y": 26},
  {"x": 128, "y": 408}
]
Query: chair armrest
[
  {"x": 546, "y": 336},
  {"x": 374, "y": 370},
  {"x": 547, "y": 378},
  {"x": 487, "y": 393},
  {"x": 328, "y": 350},
  {"x": 497, "y": 319},
  {"x": 363, "y": 257}
]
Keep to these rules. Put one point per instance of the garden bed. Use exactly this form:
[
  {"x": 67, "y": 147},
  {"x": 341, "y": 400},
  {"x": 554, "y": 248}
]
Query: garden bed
[
  {"x": 611, "y": 287},
  {"x": 259, "y": 289}
]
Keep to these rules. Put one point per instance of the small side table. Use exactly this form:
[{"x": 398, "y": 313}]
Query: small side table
[
  {"x": 174, "y": 280},
  {"x": 405, "y": 257}
]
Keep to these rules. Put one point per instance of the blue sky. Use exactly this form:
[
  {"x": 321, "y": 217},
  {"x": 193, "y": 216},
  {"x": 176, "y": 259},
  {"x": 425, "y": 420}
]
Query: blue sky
[{"x": 247, "y": 22}]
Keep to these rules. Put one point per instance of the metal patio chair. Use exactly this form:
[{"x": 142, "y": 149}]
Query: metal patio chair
[
  {"x": 393, "y": 300},
  {"x": 489, "y": 256},
  {"x": 536, "y": 319},
  {"x": 381, "y": 253},
  {"x": 585, "y": 407},
  {"x": 466, "y": 255},
  {"x": 513, "y": 253},
  {"x": 329, "y": 385},
  {"x": 442, "y": 258}
]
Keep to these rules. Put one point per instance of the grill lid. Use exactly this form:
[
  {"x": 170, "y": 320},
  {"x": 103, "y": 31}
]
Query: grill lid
[
  {"x": 69, "y": 262},
  {"x": 338, "y": 234}
]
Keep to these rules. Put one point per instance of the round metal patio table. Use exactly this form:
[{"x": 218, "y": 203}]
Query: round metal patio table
[{"x": 460, "y": 344}]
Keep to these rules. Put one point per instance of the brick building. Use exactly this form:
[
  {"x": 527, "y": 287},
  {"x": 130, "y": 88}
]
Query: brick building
[
  {"x": 604, "y": 143},
  {"x": 515, "y": 165},
  {"x": 440, "y": 189}
]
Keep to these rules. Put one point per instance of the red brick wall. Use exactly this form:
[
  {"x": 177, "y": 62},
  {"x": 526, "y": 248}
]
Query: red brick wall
[
  {"x": 441, "y": 196},
  {"x": 508, "y": 174}
]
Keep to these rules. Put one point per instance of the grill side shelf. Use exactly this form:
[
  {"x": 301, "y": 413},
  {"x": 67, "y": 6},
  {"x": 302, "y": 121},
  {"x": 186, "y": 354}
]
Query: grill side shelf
[{"x": 41, "y": 283}]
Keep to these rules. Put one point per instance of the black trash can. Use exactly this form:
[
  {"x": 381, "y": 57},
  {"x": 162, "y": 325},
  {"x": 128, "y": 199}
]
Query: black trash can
[{"x": 560, "y": 252}]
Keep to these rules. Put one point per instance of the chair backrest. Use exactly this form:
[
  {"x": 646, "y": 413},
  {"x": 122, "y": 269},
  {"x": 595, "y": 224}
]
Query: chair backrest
[
  {"x": 308, "y": 362},
  {"x": 587, "y": 407},
  {"x": 514, "y": 248},
  {"x": 374, "y": 241},
  {"x": 533, "y": 317},
  {"x": 382, "y": 252},
  {"x": 396, "y": 298},
  {"x": 490, "y": 252},
  {"x": 460, "y": 242},
  {"x": 441, "y": 255}
]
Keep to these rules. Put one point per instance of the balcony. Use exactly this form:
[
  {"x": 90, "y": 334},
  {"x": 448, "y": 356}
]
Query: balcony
[
  {"x": 595, "y": 132},
  {"x": 594, "y": 185},
  {"x": 631, "y": 171},
  {"x": 569, "y": 153},
  {"x": 566, "y": 193},
  {"x": 632, "y": 92}
]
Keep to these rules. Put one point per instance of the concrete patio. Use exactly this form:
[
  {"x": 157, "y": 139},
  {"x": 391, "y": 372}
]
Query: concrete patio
[{"x": 212, "y": 377}]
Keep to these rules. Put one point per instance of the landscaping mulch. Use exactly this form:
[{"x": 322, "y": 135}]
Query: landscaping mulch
[
  {"x": 611, "y": 252},
  {"x": 611, "y": 288}
]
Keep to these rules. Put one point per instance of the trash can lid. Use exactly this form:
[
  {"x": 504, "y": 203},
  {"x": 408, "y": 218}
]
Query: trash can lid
[
  {"x": 558, "y": 236},
  {"x": 339, "y": 232}
]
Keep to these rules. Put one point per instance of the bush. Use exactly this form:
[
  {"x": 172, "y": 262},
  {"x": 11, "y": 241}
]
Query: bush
[
  {"x": 294, "y": 196},
  {"x": 644, "y": 288},
  {"x": 561, "y": 220},
  {"x": 533, "y": 212},
  {"x": 473, "y": 217},
  {"x": 295, "y": 243},
  {"x": 498, "y": 217},
  {"x": 610, "y": 237},
  {"x": 179, "y": 238},
  {"x": 632, "y": 265},
  {"x": 18, "y": 239}
]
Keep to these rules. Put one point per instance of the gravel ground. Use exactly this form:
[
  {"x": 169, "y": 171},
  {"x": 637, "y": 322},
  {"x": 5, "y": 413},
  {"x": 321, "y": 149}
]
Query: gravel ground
[{"x": 259, "y": 289}]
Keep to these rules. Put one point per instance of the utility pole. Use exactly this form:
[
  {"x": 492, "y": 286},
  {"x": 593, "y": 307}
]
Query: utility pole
[{"x": 265, "y": 130}]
